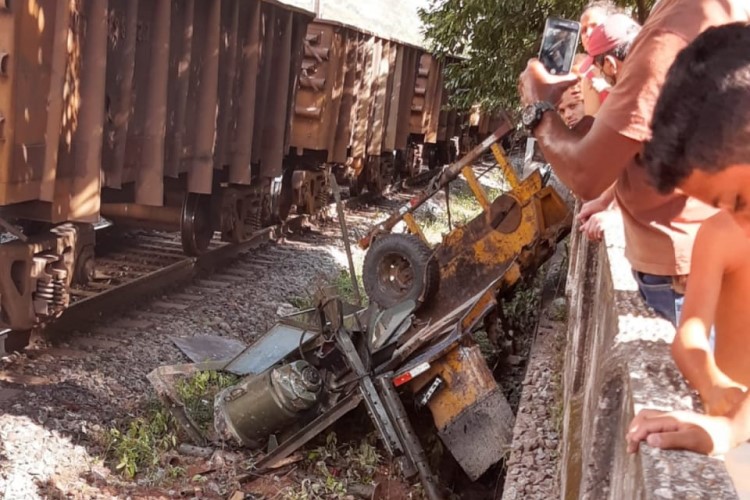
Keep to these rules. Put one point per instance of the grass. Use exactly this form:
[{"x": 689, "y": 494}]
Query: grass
[
  {"x": 344, "y": 290},
  {"x": 138, "y": 446},
  {"x": 463, "y": 208},
  {"x": 522, "y": 310},
  {"x": 197, "y": 394},
  {"x": 332, "y": 468}
]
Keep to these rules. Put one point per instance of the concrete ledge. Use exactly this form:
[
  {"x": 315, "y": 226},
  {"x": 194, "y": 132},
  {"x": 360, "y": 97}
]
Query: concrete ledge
[{"x": 617, "y": 362}]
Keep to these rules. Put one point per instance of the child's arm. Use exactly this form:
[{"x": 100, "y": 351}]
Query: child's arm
[
  {"x": 691, "y": 349},
  {"x": 686, "y": 430}
]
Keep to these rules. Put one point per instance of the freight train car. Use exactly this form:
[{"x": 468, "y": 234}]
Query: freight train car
[
  {"x": 160, "y": 113},
  {"x": 369, "y": 104},
  {"x": 196, "y": 116}
]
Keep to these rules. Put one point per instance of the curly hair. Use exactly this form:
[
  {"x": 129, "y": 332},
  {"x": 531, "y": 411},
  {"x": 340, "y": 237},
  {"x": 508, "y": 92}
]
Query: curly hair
[{"x": 702, "y": 116}]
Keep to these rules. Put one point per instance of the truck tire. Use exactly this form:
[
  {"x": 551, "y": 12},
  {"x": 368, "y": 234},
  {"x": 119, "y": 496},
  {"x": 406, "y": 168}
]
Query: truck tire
[{"x": 399, "y": 267}]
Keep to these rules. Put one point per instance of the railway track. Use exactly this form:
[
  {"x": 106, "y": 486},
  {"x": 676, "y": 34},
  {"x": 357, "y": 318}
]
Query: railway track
[{"x": 132, "y": 266}]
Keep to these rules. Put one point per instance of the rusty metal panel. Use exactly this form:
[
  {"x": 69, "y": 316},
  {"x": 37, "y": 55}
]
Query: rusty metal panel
[
  {"x": 381, "y": 70},
  {"x": 408, "y": 85},
  {"x": 228, "y": 70},
  {"x": 28, "y": 57},
  {"x": 266, "y": 76},
  {"x": 432, "y": 118},
  {"x": 299, "y": 34},
  {"x": 355, "y": 94},
  {"x": 87, "y": 139},
  {"x": 239, "y": 170},
  {"x": 395, "y": 93},
  {"x": 272, "y": 149},
  {"x": 136, "y": 91},
  {"x": 181, "y": 51},
  {"x": 321, "y": 89},
  {"x": 123, "y": 19},
  {"x": 366, "y": 74},
  {"x": 427, "y": 97},
  {"x": 348, "y": 100},
  {"x": 206, "y": 61},
  {"x": 55, "y": 101},
  {"x": 7, "y": 103},
  {"x": 319, "y": 95},
  {"x": 149, "y": 181},
  {"x": 388, "y": 121}
]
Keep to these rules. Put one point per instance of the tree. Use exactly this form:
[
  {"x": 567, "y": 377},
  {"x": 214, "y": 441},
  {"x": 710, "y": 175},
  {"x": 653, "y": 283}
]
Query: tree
[{"x": 487, "y": 43}]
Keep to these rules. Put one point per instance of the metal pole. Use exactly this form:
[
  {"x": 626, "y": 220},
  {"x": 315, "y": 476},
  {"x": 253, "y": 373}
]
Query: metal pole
[{"x": 345, "y": 235}]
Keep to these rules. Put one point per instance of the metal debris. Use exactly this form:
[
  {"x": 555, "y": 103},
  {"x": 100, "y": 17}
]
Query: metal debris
[{"x": 209, "y": 347}]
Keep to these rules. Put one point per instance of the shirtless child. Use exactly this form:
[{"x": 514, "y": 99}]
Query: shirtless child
[{"x": 700, "y": 146}]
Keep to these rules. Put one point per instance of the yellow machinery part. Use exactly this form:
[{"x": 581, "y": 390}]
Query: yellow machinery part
[
  {"x": 476, "y": 188},
  {"x": 467, "y": 380},
  {"x": 505, "y": 166},
  {"x": 413, "y": 227}
]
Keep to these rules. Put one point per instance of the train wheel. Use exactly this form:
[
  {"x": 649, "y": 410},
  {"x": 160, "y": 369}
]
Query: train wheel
[
  {"x": 195, "y": 224},
  {"x": 286, "y": 196},
  {"x": 399, "y": 267},
  {"x": 357, "y": 184},
  {"x": 85, "y": 266},
  {"x": 16, "y": 341}
]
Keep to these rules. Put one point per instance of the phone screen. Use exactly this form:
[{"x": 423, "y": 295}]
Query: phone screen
[{"x": 559, "y": 45}]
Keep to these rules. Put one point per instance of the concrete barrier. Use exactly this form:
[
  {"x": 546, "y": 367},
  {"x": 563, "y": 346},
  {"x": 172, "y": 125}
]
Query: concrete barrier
[{"x": 617, "y": 362}]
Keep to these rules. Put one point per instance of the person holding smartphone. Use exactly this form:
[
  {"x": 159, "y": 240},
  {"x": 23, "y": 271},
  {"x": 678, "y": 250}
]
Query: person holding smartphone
[
  {"x": 608, "y": 47},
  {"x": 659, "y": 228}
]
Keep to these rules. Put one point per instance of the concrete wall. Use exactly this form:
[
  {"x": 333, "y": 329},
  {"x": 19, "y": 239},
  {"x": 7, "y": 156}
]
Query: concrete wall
[{"x": 618, "y": 362}]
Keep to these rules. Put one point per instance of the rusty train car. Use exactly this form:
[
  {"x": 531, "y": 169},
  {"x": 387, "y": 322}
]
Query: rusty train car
[
  {"x": 195, "y": 116},
  {"x": 369, "y": 107},
  {"x": 156, "y": 113}
]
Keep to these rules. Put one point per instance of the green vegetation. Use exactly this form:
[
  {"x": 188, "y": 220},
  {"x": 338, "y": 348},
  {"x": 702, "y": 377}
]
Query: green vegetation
[
  {"x": 522, "y": 310},
  {"x": 496, "y": 38},
  {"x": 463, "y": 208},
  {"x": 198, "y": 391},
  {"x": 345, "y": 289},
  {"x": 342, "y": 282},
  {"x": 333, "y": 468},
  {"x": 138, "y": 446}
]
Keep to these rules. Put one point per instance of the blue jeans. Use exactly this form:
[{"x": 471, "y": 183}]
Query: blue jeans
[{"x": 658, "y": 293}]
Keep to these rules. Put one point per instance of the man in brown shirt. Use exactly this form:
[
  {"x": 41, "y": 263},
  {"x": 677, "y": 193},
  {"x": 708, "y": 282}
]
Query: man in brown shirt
[{"x": 659, "y": 229}]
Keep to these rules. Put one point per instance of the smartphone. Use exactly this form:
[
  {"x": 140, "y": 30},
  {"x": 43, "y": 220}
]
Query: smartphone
[{"x": 559, "y": 44}]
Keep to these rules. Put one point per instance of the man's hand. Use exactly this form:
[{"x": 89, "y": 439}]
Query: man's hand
[
  {"x": 590, "y": 208},
  {"x": 721, "y": 398},
  {"x": 681, "y": 430},
  {"x": 536, "y": 84},
  {"x": 593, "y": 228}
]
